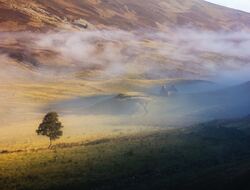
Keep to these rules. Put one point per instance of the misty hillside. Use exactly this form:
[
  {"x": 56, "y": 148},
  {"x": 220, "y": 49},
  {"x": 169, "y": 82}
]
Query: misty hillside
[
  {"x": 54, "y": 52},
  {"x": 150, "y": 39},
  {"x": 129, "y": 94},
  {"x": 191, "y": 102}
]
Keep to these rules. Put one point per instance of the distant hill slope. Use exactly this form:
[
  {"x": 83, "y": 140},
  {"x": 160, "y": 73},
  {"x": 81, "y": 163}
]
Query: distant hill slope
[{"x": 39, "y": 15}]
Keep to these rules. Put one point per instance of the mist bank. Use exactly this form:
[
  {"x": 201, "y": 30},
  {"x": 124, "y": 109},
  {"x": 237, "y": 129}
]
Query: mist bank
[
  {"x": 98, "y": 54},
  {"x": 40, "y": 69},
  {"x": 174, "y": 104}
]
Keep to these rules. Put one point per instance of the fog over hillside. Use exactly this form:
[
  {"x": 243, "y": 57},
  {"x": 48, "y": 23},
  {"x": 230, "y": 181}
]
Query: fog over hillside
[
  {"x": 104, "y": 63},
  {"x": 124, "y": 94},
  {"x": 181, "y": 53},
  {"x": 84, "y": 59}
]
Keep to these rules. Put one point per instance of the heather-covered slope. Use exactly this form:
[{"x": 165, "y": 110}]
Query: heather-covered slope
[{"x": 39, "y": 15}]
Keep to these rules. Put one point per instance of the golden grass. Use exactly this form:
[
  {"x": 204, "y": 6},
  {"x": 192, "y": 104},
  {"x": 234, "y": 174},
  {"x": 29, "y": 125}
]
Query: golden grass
[{"x": 21, "y": 104}]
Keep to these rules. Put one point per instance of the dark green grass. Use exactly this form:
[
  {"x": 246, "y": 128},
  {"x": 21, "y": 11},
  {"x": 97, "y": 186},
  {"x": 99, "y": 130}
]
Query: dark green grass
[{"x": 215, "y": 155}]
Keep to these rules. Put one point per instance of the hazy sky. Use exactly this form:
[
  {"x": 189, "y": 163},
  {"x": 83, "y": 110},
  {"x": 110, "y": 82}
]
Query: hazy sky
[{"x": 236, "y": 4}]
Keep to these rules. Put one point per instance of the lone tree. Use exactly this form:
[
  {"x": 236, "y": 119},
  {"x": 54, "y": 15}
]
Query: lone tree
[{"x": 50, "y": 127}]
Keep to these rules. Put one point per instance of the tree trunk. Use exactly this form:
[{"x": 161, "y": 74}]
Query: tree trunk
[{"x": 50, "y": 143}]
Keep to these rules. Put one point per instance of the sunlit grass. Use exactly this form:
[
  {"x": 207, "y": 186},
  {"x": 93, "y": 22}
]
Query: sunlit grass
[
  {"x": 22, "y": 103},
  {"x": 160, "y": 159}
]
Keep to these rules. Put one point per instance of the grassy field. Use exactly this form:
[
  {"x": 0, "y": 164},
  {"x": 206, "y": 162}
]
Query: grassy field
[
  {"x": 213, "y": 155},
  {"x": 22, "y": 101}
]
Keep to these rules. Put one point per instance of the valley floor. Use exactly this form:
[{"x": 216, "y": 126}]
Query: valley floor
[{"x": 214, "y": 155}]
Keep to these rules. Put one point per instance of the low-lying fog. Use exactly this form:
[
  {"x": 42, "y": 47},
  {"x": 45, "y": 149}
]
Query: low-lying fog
[
  {"x": 173, "y": 104},
  {"x": 106, "y": 81}
]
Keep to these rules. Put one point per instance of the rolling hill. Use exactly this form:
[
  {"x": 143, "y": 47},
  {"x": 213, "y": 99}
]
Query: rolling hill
[
  {"x": 83, "y": 35},
  {"x": 130, "y": 79},
  {"x": 52, "y": 51},
  {"x": 38, "y": 15},
  {"x": 210, "y": 155}
]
